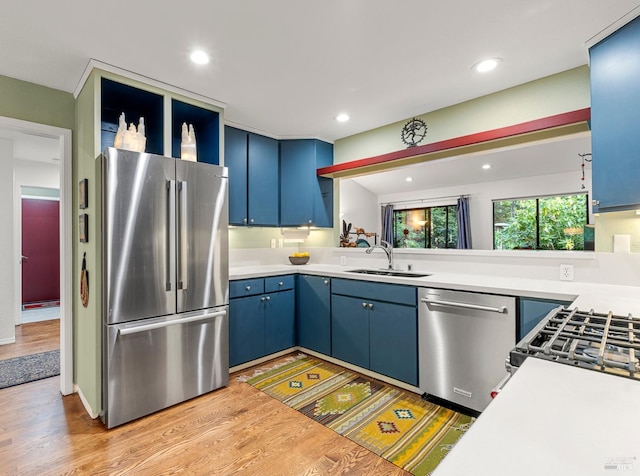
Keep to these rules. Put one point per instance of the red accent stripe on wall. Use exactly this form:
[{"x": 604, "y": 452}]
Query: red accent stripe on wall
[{"x": 564, "y": 119}]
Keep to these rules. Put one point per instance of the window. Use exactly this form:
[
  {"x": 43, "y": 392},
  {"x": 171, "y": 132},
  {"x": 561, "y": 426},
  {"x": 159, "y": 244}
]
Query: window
[
  {"x": 432, "y": 227},
  {"x": 543, "y": 223}
]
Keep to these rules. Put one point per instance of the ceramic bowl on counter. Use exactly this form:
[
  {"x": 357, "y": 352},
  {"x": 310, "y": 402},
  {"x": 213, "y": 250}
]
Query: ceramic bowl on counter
[{"x": 299, "y": 259}]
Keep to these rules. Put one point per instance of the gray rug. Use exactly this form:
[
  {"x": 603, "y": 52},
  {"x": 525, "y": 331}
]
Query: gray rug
[{"x": 29, "y": 368}]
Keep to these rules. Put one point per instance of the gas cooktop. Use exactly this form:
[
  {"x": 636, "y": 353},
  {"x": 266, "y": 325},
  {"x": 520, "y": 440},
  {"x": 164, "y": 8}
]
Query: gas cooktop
[{"x": 603, "y": 342}]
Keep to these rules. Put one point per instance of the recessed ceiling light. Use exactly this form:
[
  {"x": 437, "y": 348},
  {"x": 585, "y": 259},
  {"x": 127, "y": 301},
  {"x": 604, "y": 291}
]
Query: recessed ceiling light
[
  {"x": 199, "y": 57},
  {"x": 486, "y": 166},
  {"x": 486, "y": 65},
  {"x": 342, "y": 117},
  {"x": 409, "y": 179}
]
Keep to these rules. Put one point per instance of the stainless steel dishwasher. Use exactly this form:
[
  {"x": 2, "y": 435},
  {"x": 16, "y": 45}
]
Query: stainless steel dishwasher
[{"x": 464, "y": 339}]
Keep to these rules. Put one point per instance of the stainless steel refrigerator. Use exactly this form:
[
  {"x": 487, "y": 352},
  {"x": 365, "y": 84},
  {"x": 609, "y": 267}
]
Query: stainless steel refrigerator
[{"x": 165, "y": 282}]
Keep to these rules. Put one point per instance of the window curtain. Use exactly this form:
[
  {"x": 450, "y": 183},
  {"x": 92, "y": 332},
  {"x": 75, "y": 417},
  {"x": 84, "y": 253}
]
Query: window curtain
[
  {"x": 387, "y": 224},
  {"x": 464, "y": 224}
]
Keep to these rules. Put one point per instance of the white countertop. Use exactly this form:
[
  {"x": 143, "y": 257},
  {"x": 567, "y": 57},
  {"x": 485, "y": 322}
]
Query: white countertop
[
  {"x": 599, "y": 297},
  {"x": 553, "y": 419}
]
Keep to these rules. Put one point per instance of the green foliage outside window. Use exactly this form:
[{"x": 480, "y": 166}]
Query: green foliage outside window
[
  {"x": 432, "y": 227},
  {"x": 545, "y": 223}
]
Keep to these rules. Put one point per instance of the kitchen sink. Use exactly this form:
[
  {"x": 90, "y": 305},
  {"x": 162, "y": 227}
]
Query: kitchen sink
[{"x": 388, "y": 272}]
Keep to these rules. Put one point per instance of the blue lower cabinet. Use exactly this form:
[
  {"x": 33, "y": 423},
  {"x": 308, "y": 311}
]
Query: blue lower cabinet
[
  {"x": 393, "y": 346},
  {"x": 246, "y": 330},
  {"x": 350, "y": 330},
  {"x": 279, "y": 321},
  {"x": 263, "y": 322},
  {"x": 531, "y": 311},
  {"x": 313, "y": 311},
  {"x": 376, "y": 335}
]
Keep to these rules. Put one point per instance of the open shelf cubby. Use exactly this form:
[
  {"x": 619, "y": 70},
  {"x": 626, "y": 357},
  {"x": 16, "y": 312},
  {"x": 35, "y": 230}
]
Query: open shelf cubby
[
  {"x": 206, "y": 125},
  {"x": 135, "y": 103}
]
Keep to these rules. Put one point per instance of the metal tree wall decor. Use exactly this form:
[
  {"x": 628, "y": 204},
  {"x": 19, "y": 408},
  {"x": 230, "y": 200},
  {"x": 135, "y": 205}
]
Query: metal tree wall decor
[{"x": 414, "y": 132}]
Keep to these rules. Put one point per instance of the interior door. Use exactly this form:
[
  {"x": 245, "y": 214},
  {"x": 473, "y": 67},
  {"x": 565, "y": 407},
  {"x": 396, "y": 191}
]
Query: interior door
[
  {"x": 202, "y": 235},
  {"x": 40, "y": 250}
]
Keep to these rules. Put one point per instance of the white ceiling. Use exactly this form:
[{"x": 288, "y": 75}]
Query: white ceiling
[
  {"x": 33, "y": 147},
  {"x": 287, "y": 67},
  {"x": 535, "y": 158}
]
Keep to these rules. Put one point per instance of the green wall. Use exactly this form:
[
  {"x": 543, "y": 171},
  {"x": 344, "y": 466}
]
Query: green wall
[
  {"x": 86, "y": 321},
  {"x": 556, "y": 94},
  {"x": 35, "y": 103}
]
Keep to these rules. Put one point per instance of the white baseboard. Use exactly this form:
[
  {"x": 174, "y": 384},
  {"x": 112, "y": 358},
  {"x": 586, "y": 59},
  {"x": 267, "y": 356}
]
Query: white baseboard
[
  {"x": 10, "y": 340},
  {"x": 85, "y": 403}
]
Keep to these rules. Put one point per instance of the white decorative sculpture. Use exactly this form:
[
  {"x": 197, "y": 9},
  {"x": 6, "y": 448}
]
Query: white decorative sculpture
[
  {"x": 131, "y": 139},
  {"x": 188, "y": 146}
]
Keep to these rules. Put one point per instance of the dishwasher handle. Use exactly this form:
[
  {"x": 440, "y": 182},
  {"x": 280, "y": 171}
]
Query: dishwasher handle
[{"x": 477, "y": 307}]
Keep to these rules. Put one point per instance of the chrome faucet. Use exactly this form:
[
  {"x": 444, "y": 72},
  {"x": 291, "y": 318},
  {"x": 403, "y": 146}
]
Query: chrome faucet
[{"x": 387, "y": 248}]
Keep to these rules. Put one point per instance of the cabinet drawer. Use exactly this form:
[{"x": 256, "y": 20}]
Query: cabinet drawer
[
  {"x": 246, "y": 287},
  {"x": 377, "y": 291},
  {"x": 278, "y": 283}
]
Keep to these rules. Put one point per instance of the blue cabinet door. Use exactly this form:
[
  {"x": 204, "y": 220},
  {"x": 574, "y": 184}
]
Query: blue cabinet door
[
  {"x": 350, "y": 330},
  {"x": 305, "y": 198},
  {"x": 323, "y": 187},
  {"x": 263, "y": 181},
  {"x": 615, "y": 115},
  {"x": 235, "y": 158},
  {"x": 297, "y": 175},
  {"x": 393, "y": 341},
  {"x": 313, "y": 309},
  {"x": 246, "y": 330},
  {"x": 279, "y": 321}
]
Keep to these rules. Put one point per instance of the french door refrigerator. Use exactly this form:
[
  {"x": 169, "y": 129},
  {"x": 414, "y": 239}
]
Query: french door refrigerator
[{"x": 165, "y": 282}]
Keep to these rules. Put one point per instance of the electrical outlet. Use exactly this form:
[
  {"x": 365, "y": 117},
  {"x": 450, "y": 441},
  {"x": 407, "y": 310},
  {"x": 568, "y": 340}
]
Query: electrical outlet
[
  {"x": 273, "y": 242},
  {"x": 566, "y": 272},
  {"x": 343, "y": 260}
]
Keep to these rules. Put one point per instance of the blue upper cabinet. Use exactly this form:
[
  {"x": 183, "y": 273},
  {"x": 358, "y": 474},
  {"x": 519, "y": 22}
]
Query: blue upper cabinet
[
  {"x": 615, "y": 119},
  {"x": 305, "y": 198},
  {"x": 264, "y": 190},
  {"x": 253, "y": 178},
  {"x": 235, "y": 159}
]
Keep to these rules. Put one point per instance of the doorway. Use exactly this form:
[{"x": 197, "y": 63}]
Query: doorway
[
  {"x": 12, "y": 130},
  {"x": 40, "y": 253}
]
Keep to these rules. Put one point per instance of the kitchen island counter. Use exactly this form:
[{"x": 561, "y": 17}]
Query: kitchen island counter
[{"x": 553, "y": 419}]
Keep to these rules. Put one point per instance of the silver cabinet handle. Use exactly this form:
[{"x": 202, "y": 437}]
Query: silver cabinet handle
[
  {"x": 244, "y": 220},
  {"x": 370, "y": 306},
  {"x": 280, "y": 283},
  {"x": 500, "y": 310},
  {"x": 248, "y": 288},
  {"x": 262, "y": 299},
  {"x": 265, "y": 298},
  {"x": 326, "y": 281},
  {"x": 184, "y": 242},
  {"x": 364, "y": 305},
  {"x": 268, "y": 298},
  {"x": 171, "y": 226},
  {"x": 160, "y": 325},
  {"x": 251, "y": 221}
]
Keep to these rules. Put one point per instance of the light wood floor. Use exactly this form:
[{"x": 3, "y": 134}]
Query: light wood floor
[
  {"x": 233, "y": 430},
  {"x": 33, "y": 338}
]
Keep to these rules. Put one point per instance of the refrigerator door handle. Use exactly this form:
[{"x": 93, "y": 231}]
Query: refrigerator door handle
[
  {"x": 159, "y": 325},
  {"x": 171, "y": 220},
  {"x": 184, "y": 242}
]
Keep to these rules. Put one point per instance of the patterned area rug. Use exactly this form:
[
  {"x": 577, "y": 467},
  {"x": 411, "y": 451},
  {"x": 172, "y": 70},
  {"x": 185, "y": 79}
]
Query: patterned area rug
[
  {"x": 394, "y": 424},
  {"x": 29, "y": 368}
]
